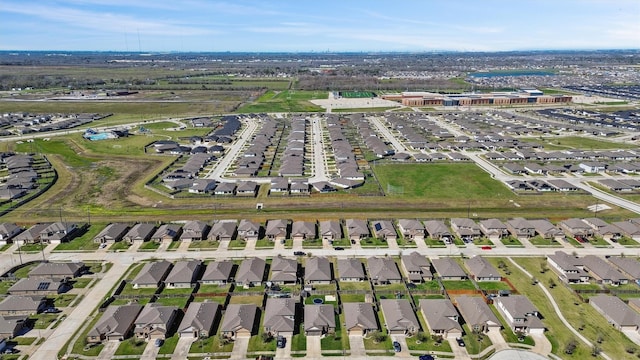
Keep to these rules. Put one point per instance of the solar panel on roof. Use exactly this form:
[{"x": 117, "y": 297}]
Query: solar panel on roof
[
  {"x": 378, "y": 226},
  {"x": 43, "y": 285}
]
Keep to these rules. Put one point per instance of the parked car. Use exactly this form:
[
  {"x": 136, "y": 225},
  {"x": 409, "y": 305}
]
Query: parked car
[
  {"x": 460, "y": 342},
  {"x": 486, "y": 247},
  {"x": 281, "y": 342},
  {"x": 51, "y": 310},
  {"x": 338, "y": 248},
  {"x": 396, "y": 346},
  {"x": 158, "y": 342},
  {"x": 103, "y": 245},
  {"x": 425, "y": 357},
  {"x": 299, "y": 253}
]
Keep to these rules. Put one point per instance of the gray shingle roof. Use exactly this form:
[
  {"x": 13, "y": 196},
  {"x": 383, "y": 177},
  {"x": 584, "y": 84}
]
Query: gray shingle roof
[
  {"x": 317, "y": 317},
  {"x": 350, "y": 268},
  {"x": 238, "y": 317},
  {"x": 251, "y": 270},
  {"x": 218, "y": 271},
  {"x": 152, "y": 273},
  {"x": 116, "y": 320},
  {"x": 317, "y": 269},
  {"x": 440, "y": 314},
  {"x": 199, "y": 316},
  {"x": 279, "y": 315},
  {"x": 360, "y": 314},
  {"x": 399, "y": 315}
]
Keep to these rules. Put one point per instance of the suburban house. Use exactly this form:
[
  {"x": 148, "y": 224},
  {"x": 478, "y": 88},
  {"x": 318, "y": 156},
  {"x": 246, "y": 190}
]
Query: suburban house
[
  {"x": 184, "y": 274},
  {"x": 113, "y": 232},
  {"x": 448, "y": 269},
  {"x": 22, "y": 305},
  {"x": 521, "y": 315},
  {"x": 319, "y": 319},
  {"x": 152, "y": 274},
  {"x": 441, "y": 317},
  {"x": 276, "y": 230},
  {"x": 628, "y": 228},
  {"x": 12, "y": 326},
  {"x": 61, "y": 271},
  {"x": 576, "y": 228},
  {"x": 357, "y": 229},
  {"x": 568, "y": 267},
  {"x": 167, "y": 233},
  {"x": 438, "y": 230},
  {"x": 383, "y": 229},
  {"x": 317, "y": 270},
  {"x": 251, "y": 272},
  {"x": 247, "y": 188},
  {"x": 303, "y": 230},
  {"x": 279, "y": 186},
  {"x": 547, "y": 230},
  {"x": 31, "y": 235},
  {"x": 330, "y": 230},
  {"x": 199, "y": 320},
  {"x": 38, "y": 287},
  {"x": 154, "y": 321},
  {"x": 417, "y": 267},
  {"x": 58, "y": 232},
  {"x": 411, "y": 229},
  {"x": 466, "y": 229},
  {"x": 351, "y": 269},
  {"x": 140, "y": 232},
  {"x": 477, "y": 314},
  {"x": 521, "y": 228},
  {"x": 399, "y": 317},
  {"x": 602, "y": 271},
  {"x": 247, "y": 230},
  {"x": 494, "y": 229},
  {"x": 383, "y": 270},
  {"x": 217, "y": 273},
  {"x": 284, "y": 271},
  {"x": 617, "y": 313},
  {"x": 239, "y": 320},
  {"x": 360, "y": 319},
  {"x": 116, "y": 324},
  {"x": 8, "y": 231},
  {"x": 279, "y": 316},
  {"x": 481, "y": 270},
  {"x": 628, "y": 266},
  {"x": 225, "y": 230},
  {"x": 194, "y": 230},
  {"x": 225, "y": 189}
]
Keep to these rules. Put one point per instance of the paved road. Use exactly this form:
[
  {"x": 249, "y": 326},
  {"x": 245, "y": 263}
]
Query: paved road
[
  {"x": 319, "y": 156},
  {"x": 398, "y": 146},
  {"x": 218, "y": 171}
]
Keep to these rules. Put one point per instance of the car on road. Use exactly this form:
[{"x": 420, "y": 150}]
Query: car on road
[
  {"x": 338, "y": 248},
  {"x": 460, "y": 342},
  {"x": 486, "y": 247},
  {"x": 281, "y": 342},
  {"x": 425, "y": 357},
  {"x": 396, "y": 346},
  {"x": 299, "y": 253},
  {"x": 158, "y": 342}
]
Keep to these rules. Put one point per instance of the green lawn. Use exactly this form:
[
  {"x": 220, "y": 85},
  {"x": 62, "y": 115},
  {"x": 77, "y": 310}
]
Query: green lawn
[
  {"x": 434, "y": 243},
  {"x": 370, "y": 344},
  {"x": 493, "y": 285},
  {"x": 180, "y": 302},
  {"x": 627, "y": 241},
  {"x": 131, "y": 347},
  {"x": 204, "y": 244},
  {"x": 350, "y": 298},
  {"x": 475, "y": 343},
  {"x": 63, "y": 300},
  {"x": 237, "y": 244},
  {"x": 149, "y": 246},
  {"x": 337, "y": 340},
  {"x": 355, "y": 285},
  {"x": 458, "y": 285},
  {"x": 285, "y": 101},
  {"x": 579, "y": 142},
  {"x": 264, "y": 244},
  {"x": 511, "y": 241},
  {"x": 540, "y": 241},
  {"x": 42, "y": 321},
  {"x": 441, "y": 181},
  {"x": 373, "y": 243},
  {"x": 577, "y": 313},
  {"x": 169, "y": 345},
  {"x": 428, "y": 344},
  {"x": 81, "y": 283},
  {"x": 432, "y": 285},
  {"x": 120, "y": 246},
  {"x": 211, "y": 344}
]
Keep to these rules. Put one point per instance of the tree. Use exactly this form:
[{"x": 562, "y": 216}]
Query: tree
[
  {"x": 595, "y": 350},
  {"x": 570, "y": 347},
  {"x": 267, "y": 337},
  {"x": 543, "y": 266},
  {"x": 421, "y": 336},
  {"x": 552, "y": 283},
  {"x": 379, "y": 337},
  {"x": 534, "y": 281}
]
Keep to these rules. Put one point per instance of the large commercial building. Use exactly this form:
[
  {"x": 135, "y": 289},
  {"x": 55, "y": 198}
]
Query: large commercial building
[{"x": 524, "y": 96}]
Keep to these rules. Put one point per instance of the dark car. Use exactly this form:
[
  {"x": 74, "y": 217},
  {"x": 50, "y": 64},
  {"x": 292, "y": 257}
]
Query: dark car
[
  {"x": 425, "y": 357},
  {"x": 281, "y": 342},
  {"x": 10, "y": 350},
  {"x": 299, "y": 253},
  {"x": 396, "y": 346},
  {"x": 51, "y": 311},
  {"x": 158, "y": 342},
  {"x": 338, "y": 248},
  {"x": 460, "y": 342}
]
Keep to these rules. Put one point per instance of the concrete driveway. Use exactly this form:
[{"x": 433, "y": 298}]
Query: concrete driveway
[
  {"x": 543, "y": 345},
  {"x": 496, "y": 339},
  {"x": 314, "y": 348},
  {"x": 182, "y": 348},
  {"x": 356, "y": 342},
  {"x": 459, "y": 352},
  {"x": 108, "y": 350},
  {"x": 151, "y": 351},
  {"x": 286, "y": 351},
  {"x": 404, "y": 349},
  {"x": 240, "y": 346}
]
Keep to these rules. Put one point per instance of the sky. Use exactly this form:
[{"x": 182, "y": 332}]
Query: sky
[{"x": 318, "y": 26}]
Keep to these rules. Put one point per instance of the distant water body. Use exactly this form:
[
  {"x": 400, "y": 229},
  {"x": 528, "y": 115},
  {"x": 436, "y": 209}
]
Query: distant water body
[{"x": 490, "y": 74}]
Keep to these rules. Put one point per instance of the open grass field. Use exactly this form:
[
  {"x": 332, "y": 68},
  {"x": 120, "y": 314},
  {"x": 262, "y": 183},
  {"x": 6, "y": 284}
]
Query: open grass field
[
  {"x": 577, "y": 142},
  {"x": 284, "y": 101},
  {"x": 357, "y": 94}
]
